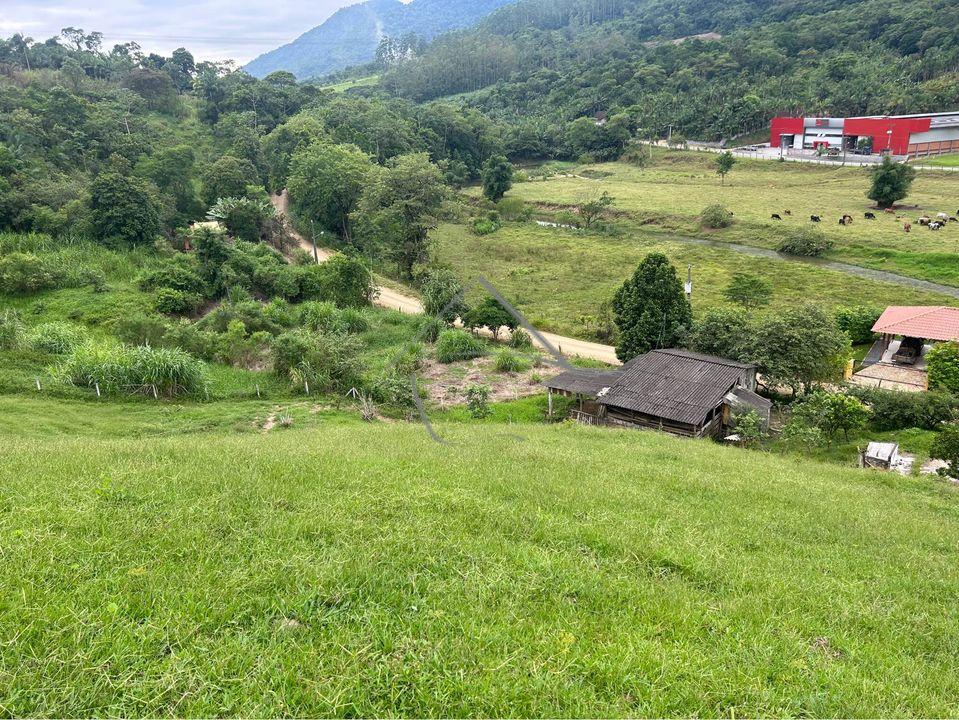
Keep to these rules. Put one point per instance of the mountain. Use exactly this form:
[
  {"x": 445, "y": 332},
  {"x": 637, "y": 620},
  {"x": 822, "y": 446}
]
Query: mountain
[
  {"x": 351, "y": 35},
  {"x": 709, "y": 68}
]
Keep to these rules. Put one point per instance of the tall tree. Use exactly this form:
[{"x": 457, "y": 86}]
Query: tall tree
[
  {"x": 651, "y": 309},
  {"x": 724, "y": 163},
  {"x": 890, "y": 182},
  {"x": 326, "y": 182},
  {"x": 123, "y": 210},
  {"x": 497, "y": 177}
]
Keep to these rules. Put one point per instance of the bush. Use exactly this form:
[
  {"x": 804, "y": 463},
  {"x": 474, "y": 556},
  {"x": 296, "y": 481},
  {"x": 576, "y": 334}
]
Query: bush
[
  {"x": 176, "y": 302},
  {"x": 943, "y": 363},
  {"x": 749, "y": 426},
  {"x": 393, "y": 388},
  {"x": 484, "y": 226},
  {"x": 141, "y": 329},
  {"x": 857, "y": 322},
  {"x": 514, "y": 208},
  {"x": 519, "y": 339},
  {"x": 126, "y": 369},
  {"x": 892, "y": 410},
  {"x": 715, "y": 217},
  {"x": 24, "y": 273},
  {"x": 325, "y": 361},
  {"x": 455, "y": 345},
  {"x": 510, "y": 362},
  {"x": 430, "y": 329},
  {"x": 12, "y": 331},
  {"x": 477, "y": 401},
  {"x": 57, "y": 338},
  {"x": 946, "y": 447},
  {"x": 806, "y": 241},
  {"x": 180, "y": 274}
]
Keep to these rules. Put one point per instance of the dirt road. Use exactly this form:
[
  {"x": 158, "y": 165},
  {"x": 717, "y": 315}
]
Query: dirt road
[{"x": 389, "y": 298}]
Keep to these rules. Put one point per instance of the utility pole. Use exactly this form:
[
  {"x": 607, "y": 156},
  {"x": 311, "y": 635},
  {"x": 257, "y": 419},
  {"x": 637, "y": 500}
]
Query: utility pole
[{"x": 689, "y": 283}]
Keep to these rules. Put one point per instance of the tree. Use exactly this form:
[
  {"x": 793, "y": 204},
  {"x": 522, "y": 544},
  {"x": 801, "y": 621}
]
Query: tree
[
  {"x": 841, "y": 412},
  {"x": 326, "y": 183},
  {"x": 491, "y": 315},
  {"x": 244, "y": 218},
  {"x": 399, "y": 207},
  {"x": 228, "y": 177},
  {"x": 798, "y": 348},
  {"x": 592, "y": 208},
  {"x": 946, "y": 447},
  {"x": 943, "y": 364},
  {"x": 650, "y": 309},
  {"x": 497, "y": 177},
  {"x": 750, "y": 291},
  {"x": 890, "y": 182},
  {"x": 721, "y": 331},
  {"x": 724, "y": 163},
  {"x": 123, "y": 209}
]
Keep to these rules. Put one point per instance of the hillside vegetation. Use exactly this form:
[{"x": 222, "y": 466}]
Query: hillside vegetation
[
  {"x": 366, "y": 570},
  {"x": 540, "y": 64}
]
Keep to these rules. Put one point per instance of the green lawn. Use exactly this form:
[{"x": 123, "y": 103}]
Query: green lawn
[
  {"x": 353, "y": 569},
  {"x": 668, "y": 196},
  {"x": 951, "y": 160}
]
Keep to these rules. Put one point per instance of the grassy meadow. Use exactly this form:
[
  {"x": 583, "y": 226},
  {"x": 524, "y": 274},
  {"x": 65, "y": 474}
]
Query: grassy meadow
[{"x": 356, "y": 569}]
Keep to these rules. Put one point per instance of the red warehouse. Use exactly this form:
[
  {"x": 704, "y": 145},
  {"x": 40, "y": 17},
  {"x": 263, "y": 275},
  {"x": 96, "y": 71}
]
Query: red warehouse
[{"x": 913, "y": 135}]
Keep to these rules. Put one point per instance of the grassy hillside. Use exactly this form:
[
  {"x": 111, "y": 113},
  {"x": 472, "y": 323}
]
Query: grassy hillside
[{"x": 365, "y": 570}]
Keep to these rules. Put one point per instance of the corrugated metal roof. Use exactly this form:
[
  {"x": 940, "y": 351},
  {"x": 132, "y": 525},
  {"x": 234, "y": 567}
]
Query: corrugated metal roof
[
  {"x": 925, "y": 322},
  {"x": 674, "y": 385},
  {"x": 583, "y": 381}
]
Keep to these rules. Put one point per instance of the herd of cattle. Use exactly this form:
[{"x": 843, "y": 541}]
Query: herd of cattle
[{"x": 936, "y": 223}]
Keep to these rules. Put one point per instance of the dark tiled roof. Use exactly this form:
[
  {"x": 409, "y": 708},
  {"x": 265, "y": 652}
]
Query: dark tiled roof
[
  {"x": 675, "y": 385},
  {"x": 583, "y": 381}
]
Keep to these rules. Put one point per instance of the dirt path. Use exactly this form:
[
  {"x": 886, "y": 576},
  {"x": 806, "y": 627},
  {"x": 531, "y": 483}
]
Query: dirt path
[{"x": 389, "y": 298}]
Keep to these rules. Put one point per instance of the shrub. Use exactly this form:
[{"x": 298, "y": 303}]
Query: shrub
[
  {"x": 857, "y": 322},
  {"x": 455, "y": 345},
  {"x": 477, "y": 401},
  {"x": 141, "y": 329},
  {"x": 484, "y": 226},
  {"x": 325, "y": 361},
  {"x": 830, "y": 413},
  {"x": 749, "y": 426},
  {"x": 235, "y": 347},
  {"x": 12, "y": 331},
  {"x": 892, "y": 410},
  {"x": 946, "y": 447},
  {"x": 409, "y": 359},
  {"x": 321, "y": 317},
  {"x": 354, "y": 320},
  {"x": 178, "y": 274},
  {"x": 190, "y": 338},
  {"x": 519, "y": 339},
  {"x": 510, "y": 362},
  {"x": 393, "y": 388},
  {"x": 806, "y": 241},
  {"x": 176, "y": 302},
  {"x": 514, "y": 208},
  {"x": 943, "y": 363},
  {"x": 125, "y": 369},
  {"x": 715, "y": 217},
  {"x": 24, "y": 273},
  {"x": 430, "y": 329},
  {"x": 57, "y": 338}
]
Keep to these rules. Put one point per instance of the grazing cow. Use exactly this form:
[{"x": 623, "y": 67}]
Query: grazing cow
[
  {"x": 814, "y": 218},
  {"x": 907, "y": 227},
  {"x": 952, "y": 219},
  {"x": 845, "y": 220},
  {"x": 775, "y": 216},
  {"x": 942, "y": 216},
  {"x": 924, "y": 220},
  {"x": 788, "y": 212},
  {"x": 935, "y": 225},
  {"x": 889, "y": 210},
  {"x": 870, "y": 216}
]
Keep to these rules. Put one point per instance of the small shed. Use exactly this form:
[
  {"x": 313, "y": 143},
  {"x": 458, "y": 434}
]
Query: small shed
[{"x": 879, "y": 455}]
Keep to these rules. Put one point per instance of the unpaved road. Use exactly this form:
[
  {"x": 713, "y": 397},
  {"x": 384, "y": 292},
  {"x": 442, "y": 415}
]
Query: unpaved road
[{"x": 388, "y": 298}]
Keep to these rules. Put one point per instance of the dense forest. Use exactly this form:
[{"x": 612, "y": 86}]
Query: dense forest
[{"x": 550, "y": 63}]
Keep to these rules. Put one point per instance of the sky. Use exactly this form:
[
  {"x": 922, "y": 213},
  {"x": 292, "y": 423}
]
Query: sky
[{"x": 210, "y": 29}]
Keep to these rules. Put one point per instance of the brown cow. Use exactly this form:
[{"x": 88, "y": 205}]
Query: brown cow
[{"x": 907, "y": 227}]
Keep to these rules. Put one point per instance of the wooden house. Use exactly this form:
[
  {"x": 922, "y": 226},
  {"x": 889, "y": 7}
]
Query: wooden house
[{"x": 677, "y": 391}]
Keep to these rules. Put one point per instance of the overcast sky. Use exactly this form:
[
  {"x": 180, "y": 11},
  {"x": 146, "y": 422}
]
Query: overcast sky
[{"x": 210, "y": 29}]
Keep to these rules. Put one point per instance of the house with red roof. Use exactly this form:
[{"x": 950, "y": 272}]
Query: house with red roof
[{"x": 898, "y": 358}]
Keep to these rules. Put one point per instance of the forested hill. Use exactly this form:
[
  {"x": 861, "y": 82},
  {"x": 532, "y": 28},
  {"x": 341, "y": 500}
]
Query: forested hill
[
  {"x": 352, "y": 35},
  {"x": 555, "y": 60}
]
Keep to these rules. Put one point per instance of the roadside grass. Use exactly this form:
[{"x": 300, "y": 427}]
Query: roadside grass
[
  {"x": 556, "y": 276},
  {"x": 365, "y": 570},
  {"x": 668, "y": 196},
  {"x": 951, "y": 160}
]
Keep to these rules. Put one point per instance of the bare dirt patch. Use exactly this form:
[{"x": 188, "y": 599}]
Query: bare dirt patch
[{"x": 446, "y": 384}]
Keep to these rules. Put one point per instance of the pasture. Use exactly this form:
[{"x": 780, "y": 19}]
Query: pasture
[
  {"x": 668, "y": 195},
  {"x": 356, "y": 569}
]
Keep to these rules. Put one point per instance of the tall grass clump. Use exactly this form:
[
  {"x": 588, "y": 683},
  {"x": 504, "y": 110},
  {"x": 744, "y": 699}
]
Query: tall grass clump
[
  {"x": 57, "y": 338},
  {"x": 123, "y": 369},
  {"x": 12, "y": 332},
  {"x": 509, "y": 361},
  {"x": 454, "y": 345}
]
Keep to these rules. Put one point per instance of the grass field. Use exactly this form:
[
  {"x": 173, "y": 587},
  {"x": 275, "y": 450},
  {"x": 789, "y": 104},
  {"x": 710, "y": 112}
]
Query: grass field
[
  {"x": 556, "y": 276},
  {"x": 940, "y": 161},
  {"x": 353, "y": 569},
  {"x": 668, "y": 196},
  {"x": 352, "y": 83}
]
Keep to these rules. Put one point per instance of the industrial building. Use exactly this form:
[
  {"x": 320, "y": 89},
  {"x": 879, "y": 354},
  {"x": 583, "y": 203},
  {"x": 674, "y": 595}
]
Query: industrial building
[{"x": 903, "y": 135}]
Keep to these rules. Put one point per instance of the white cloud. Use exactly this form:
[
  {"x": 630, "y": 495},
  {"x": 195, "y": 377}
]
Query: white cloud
[{"x": 210, "y": 29}]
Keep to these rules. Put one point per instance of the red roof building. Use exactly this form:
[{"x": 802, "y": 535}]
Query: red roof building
[{"x": 938, "y": 323}]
